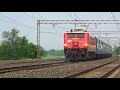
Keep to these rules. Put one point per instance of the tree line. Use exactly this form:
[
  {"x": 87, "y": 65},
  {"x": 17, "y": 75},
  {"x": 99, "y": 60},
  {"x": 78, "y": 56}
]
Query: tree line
[
  {"x": 116, "y": 50},
  {"x": 54, "y": 52},
  {"x": 14, "y": 47}
]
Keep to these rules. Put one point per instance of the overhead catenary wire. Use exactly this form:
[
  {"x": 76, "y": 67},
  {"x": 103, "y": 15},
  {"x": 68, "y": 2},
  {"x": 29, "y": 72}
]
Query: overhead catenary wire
[
  {"x": 36, "y": 18},
  {"x": 43, "y": 28},
  {"x": 86, "y": 27},
  {"x": 69, "y": 15},
  {"x": 45, "y": 19},
  {"x": 59, "y": 32},
  {"x": 53, "y": 25},
  {"x": 40, "y": 15},
  {"x": 76, "y": 16},
  {"x": 5, "y": 21},
  {"x": 113, "y": 16},
  {"x": 29, "y": 15},
  {"x": 21, "y": 24},
  {"x": 12, "y": 23},
  {"x": 99, "y": 34}
]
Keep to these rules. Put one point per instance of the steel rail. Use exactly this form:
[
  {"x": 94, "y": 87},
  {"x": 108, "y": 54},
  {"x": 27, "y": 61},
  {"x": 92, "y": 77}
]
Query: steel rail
[{"x": 89, "y": 70}]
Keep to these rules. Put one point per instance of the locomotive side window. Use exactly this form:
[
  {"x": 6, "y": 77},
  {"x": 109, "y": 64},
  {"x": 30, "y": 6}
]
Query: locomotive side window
[
  {"x": 70, "y": 35},
  {"x": 80, "y": 35}
]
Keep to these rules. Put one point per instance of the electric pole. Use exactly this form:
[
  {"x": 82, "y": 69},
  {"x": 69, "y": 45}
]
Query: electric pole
[{"x": 38, "y": 39}]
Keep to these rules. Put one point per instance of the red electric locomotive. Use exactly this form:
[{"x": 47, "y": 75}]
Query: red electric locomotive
[{"x": 78, "y": 44}]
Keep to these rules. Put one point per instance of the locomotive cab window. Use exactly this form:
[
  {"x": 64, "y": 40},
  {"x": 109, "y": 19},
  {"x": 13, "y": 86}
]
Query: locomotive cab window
[
  {"x": 76, "y": 35},
  {"x": 80, "y": 35},
  {"x": 71, "y": 35}
]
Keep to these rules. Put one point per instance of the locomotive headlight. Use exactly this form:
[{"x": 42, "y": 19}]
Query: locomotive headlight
[
  {"x": 86, "y": 44},
  {"x": 69, "y": 40},
  {"x": 65, "y": 44}
]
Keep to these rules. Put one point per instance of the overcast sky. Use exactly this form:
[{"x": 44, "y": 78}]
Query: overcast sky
[{"x": 25, "y": 22}]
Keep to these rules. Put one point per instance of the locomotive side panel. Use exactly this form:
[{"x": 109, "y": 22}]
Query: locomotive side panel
[{"x": 91, "y": 44}]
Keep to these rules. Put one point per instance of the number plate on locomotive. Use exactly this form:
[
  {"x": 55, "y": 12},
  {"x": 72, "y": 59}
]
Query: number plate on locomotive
[{"x": 75, "y": 44}]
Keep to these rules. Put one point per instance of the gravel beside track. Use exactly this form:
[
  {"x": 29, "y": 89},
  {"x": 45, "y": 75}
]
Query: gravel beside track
[
  {"x": 58, "y": 71},
  {"x": 101, "y": 71},
  {"x": 117, "y": 73},
  {"x": 14, "y": 63}
]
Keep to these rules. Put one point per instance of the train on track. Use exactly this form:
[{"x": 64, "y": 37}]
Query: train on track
[{"x": 80, "y": 45}]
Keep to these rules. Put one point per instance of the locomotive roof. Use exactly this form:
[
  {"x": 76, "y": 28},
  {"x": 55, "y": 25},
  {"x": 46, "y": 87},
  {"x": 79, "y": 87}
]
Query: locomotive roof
[{"x": 76, "y": 32}]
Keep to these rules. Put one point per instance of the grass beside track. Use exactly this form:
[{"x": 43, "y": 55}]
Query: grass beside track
[
  {"x": 43, "y": 58},
  {"x": 46, "y": 58},
  {"x": 53, "y": 57}
]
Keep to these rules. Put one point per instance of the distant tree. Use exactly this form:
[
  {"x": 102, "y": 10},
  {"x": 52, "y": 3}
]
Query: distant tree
[
  {"x": 15, "y": 47},
  {"x": 54, "y": 52},
  {"x": 118, "y": 50},
  {"x": 10, "y": 42},
  {"x": 115, "y": 48},
  {"x": 43, "y": 52}
]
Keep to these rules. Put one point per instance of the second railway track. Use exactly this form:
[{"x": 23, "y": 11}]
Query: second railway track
[
  {"x": 107, "y": 74},
  {"x": 28, "y": 67}
]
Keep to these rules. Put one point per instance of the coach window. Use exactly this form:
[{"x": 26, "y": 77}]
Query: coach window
[
  {"x": 102, "y": 43},
  {"x": 98, "y": 42}
]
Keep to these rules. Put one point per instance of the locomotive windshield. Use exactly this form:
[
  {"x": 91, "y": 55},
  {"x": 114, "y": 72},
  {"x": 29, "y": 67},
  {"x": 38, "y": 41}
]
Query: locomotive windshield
[
  {"x": 75, "y": 35},
  {"x": 80, "y": 35},
  {"x": 71, "y": 35}
]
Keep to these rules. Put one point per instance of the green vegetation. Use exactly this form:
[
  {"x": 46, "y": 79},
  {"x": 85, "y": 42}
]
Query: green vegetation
[
  {"x": 53, "y": 57},
  {"x": 53, "y": 52},
  {"x": 14, "y": 47},
  {"x": 116, "y": 51}
]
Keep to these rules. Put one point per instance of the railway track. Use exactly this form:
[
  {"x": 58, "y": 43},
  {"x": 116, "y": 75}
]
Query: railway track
[
  {"x": 28, "y": 67},
  {"x": 107, "y": 75},
  {"x": 33, "y": 61},
  {"x": 95, "y": 68}
]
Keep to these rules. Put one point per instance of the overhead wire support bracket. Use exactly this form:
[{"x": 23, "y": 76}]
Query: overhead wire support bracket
[{"x": 79, "y": 21}]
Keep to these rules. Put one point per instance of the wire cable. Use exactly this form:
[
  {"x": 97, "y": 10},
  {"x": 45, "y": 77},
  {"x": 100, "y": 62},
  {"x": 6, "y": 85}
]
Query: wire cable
[
  {"x": 21, "y": 24},
  {"x": 113, "y": 15}
]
